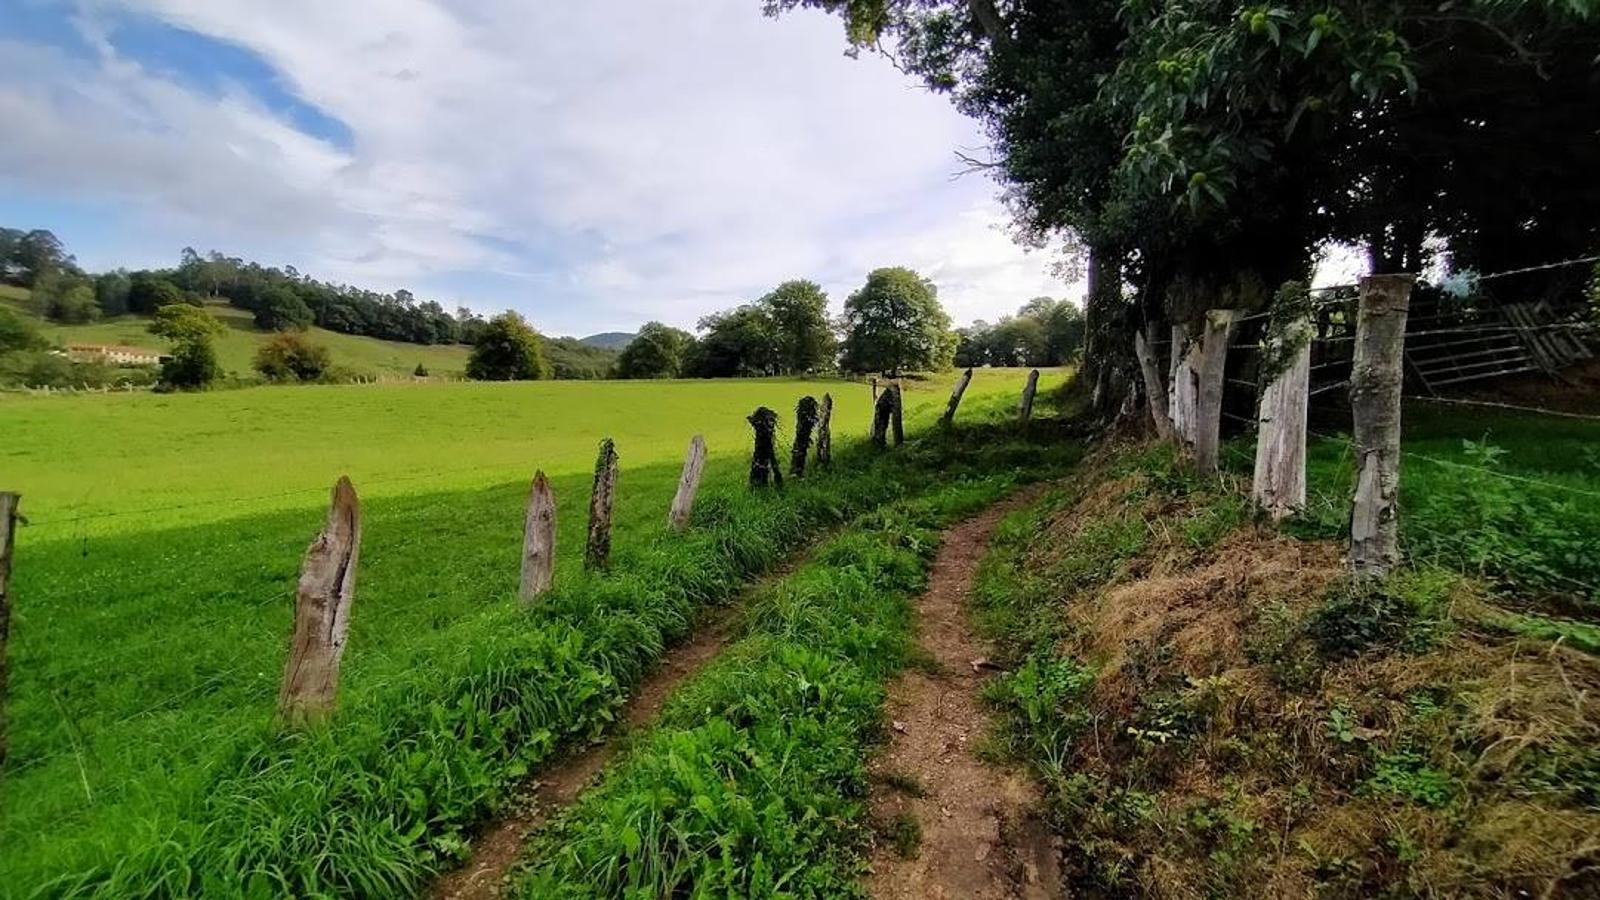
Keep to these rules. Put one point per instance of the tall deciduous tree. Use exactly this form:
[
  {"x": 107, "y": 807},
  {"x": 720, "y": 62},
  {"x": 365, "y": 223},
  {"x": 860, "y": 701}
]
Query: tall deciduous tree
[
  {"x": 508, "y": 349},
  {"x": 799, "y": 311},
  {"x": 191, "y": 330},
  {"x": 657, "y": 351},
  {"x": 894, "y": 323}
]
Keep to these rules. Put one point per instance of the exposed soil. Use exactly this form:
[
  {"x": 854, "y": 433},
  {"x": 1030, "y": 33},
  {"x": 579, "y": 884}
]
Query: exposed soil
[
  {"x": 981, "y": 836},
  {"x": 495, "y": 851}
]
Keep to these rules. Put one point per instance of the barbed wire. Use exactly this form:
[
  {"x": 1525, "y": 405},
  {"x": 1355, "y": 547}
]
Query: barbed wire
[{"x": 1465, "y": 401}]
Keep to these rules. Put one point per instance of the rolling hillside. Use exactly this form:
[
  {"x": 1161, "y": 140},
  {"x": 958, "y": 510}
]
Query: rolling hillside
[{"x": 236, "y": 349}]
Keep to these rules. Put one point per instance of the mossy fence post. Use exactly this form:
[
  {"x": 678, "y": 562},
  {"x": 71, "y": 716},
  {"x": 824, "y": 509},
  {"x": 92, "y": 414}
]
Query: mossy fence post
[
  {"x": 597, "y": 552},
  {"x": 8, "y": 532},
  {"x": 825, "y": 432},
  {"x": 1208, "y": 392},
  {"x": 882, "y": 412},
  {"x": 688, "y": 485},
  {"x": 805, "y": 422},
  {"x": 1376, "y": 379},
  {"x": 538, "y": 540},
  {"x": 323, "y": 599},
  {"x": 898, "y": 414},
  {"x": 1025, "y": 405},
  {"x": 764, "y": 466},
  {"x": 955, "y": 397},
  {"x": 1155, "y": 392},
  {"x": 1279, "y": 483}
]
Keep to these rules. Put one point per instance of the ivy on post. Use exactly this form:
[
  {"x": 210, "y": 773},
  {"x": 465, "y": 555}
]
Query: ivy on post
[
  {"x": 825, "y": 432},
  {"x": 805, "y": 420},
  {"x": 597, "y": 553},
  {"x": 538, "y": 540},
  {"x": 1279, "y": 482},
  {"x": 898, "y": 415},
  {"x": 322, "y": 605},
  {"x": 8, "y": 532},
  {"x": 1376, "y": 379},
  {"x": 764, "y": 466},
  {"x": 955, "y": 397},
  {"x": 882, "y": 412},
  {"x": 1025, "y": 405}
]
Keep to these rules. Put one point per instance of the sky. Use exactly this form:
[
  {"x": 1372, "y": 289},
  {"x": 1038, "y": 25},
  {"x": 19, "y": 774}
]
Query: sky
[{"x": 592, "y": 164}]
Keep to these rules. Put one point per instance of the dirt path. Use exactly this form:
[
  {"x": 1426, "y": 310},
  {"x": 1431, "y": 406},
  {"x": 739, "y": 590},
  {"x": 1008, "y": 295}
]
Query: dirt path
[
  {"x": 496, "y": 850},
  {"x": 981, "y": 838}
]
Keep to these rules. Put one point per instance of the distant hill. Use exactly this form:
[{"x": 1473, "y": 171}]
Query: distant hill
[{"x": 609, "y": 340}]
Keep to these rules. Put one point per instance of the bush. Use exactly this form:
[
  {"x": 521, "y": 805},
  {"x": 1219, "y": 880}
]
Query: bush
[
  {"x": 194, "y": 359},
  {"x": 291, "y": 356},
  {"x": 421, "y": 371},
  {"x": 39, "y": 368},
  {"x": 19, "y": 333},
  {"x": 508, "y": 350}
]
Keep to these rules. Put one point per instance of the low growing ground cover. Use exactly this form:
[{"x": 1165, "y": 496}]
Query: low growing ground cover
[
  {"x": 147, "y": 655},
  {"x": 1216, "y": 710}
]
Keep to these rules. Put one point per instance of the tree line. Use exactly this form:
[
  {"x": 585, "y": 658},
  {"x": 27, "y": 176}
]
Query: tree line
[{"x": 1202, "y": 154}]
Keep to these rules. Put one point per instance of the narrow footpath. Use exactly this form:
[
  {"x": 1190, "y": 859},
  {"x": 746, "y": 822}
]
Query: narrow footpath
[{"x": 981, "y": 836}]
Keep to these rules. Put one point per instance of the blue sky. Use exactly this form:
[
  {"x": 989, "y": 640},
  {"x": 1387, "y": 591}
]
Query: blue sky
[{"x": 592, "y": 165}]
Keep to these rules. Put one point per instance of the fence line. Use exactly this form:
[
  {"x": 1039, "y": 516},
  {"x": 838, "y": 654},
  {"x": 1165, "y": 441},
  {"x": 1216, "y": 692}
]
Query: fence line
[{"x": 1462, "y": 401}]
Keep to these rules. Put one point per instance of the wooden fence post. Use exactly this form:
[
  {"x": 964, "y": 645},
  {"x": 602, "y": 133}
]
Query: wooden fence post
[
  {"x": 764, "y": 467},
  {"x": 898, "y": 416},
  {"x": 1209, "y": 385},
  {"x": 597, "y": 553},
  {"x": 825, "y": 432},
  {"x": 1376, "y": 378},
  {"x": 1279, "y": 484},
  {"x": 688, "y": 485},
  {"x": 955, "y": 396},
  {"x": 1182, "y": 395},
  {"x": 1025, "y": 406},
  {"x": 1155, "y": 392},
  {"x": 805, "y": 420},
  {"x": 8, "y": 532},
  {"x": 322, "y": 604},
  {"x": 882, "y": 412},
  {"x": 538, "y": 540}
]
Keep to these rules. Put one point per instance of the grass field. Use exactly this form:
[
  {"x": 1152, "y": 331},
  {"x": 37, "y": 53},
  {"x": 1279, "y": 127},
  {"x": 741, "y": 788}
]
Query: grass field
[
  {"x": 236, "y": 348},
  {"x": 152, "y": 608}
]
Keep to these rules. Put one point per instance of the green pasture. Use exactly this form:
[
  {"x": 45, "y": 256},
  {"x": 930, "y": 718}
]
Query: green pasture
[{"x": 152, "y": 606}]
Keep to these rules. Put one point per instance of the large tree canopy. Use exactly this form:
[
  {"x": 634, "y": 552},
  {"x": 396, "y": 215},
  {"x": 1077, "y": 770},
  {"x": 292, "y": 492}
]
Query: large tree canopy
[
  {"x": 508, "y": 350},
  {"x": 894, "y": 323},
  {"x": 657, "y": 351}
]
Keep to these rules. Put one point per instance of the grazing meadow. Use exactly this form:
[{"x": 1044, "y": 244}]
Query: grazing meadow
[{"x": 153, "y": 597}]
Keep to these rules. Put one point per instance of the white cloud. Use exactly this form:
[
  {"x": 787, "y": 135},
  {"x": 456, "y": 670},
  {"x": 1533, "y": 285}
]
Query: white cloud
[{"x": 662, "y": 159}]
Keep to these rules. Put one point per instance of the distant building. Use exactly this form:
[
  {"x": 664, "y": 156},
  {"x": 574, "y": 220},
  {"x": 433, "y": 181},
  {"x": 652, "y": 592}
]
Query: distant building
[{"x": 118, "y": 355}]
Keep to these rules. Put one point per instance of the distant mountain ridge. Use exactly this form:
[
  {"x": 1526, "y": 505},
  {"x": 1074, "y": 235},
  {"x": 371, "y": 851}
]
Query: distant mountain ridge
[{"x": 609, "y": 340}]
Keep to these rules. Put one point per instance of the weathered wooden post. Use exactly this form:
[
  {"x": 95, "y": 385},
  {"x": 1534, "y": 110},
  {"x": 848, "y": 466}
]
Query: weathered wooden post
[
  {"x": 825, "y": 433},
  {"x": 764, "y": 467},
  {"x": 874, "y": 390},
  {"x": 1209, "y": 385},
  {"x": 538, "y": 540},
  {"x": 1025, "y": 406},
  {"x": 1279, "y": 485},
  {"x": 1155, "y": 392},
  {"x": 8, "y": 531},
  {"x": 1182, "y": 396},
  {"x": 597, "y": 553},
  {"x": 898, "y": 417},
  {"x": 322, "y": 604},
  {"x": 955, "y": 396},
  {"x": 688, "y": 485},
  {"x": 805, "y": 420},
  {"x": 882, "y": 412},
  {"x": 1376, "y": 378}
]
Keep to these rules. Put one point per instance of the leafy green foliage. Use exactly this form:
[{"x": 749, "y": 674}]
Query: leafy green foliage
[
  {"x": 279, "y": 309},
  {"x": 291, "y": 356},
  {"x": 1044, "y": 332},
  {"x": 192, "y": 331},
  {"x": 657, "y": 351},
  {"x": 894, "y": 323},
  {"x": 1406, "y": 610},
  {"x": 508, "y": 349}
]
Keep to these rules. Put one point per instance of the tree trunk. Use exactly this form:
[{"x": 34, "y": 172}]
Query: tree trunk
[
  {"x": 688, "y": 485},
  {"x": 1376, "y": 379},
  {"x": 955, "y": 396},
  {"x": 1279, "y": 485},
  {"x": 805, "y": 420},
  {"x": 322, "y": 613},
  {"x": 825, "y": 432},
  {"x": 1105, "y": 344},
  {"x": 597, "y": 552},
  {"x": 1025, "y": 405},
  {"x": 1208, "y": 409},
  {"x": 8, "y": 532},
  {"x": 538, "y": 540},
  {"x": 1155, "y": 392}
]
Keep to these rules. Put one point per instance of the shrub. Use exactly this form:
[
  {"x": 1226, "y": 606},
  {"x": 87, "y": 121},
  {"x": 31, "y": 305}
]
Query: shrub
[{"x": 291, "y": 356}]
